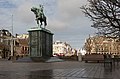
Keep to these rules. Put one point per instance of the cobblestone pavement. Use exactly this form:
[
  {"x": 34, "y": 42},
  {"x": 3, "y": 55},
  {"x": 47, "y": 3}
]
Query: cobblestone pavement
[{"x": 56, "y": 70}]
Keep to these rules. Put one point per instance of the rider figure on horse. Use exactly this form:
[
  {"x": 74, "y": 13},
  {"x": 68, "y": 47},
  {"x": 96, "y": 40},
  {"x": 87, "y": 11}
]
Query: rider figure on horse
[
  {"x": 40, "y": 11},
  {"x": 40, "y": 17}
]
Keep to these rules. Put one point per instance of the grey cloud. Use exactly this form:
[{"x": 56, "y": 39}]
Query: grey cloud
[
  {"x": 24, "y": 14},
  {"x": 68, "y": 13},
  {"x": 67, "y": 23}
]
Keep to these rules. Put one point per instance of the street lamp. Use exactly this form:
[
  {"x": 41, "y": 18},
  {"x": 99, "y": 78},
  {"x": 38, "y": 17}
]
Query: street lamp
[{"x": 12, "y": 48}]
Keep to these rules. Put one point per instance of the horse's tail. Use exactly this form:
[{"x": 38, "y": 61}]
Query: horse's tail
[{"x": 45, "y": 21}]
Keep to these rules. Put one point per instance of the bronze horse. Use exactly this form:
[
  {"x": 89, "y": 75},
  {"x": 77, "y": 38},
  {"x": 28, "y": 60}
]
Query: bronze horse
[{"x": 39, "y": 16}]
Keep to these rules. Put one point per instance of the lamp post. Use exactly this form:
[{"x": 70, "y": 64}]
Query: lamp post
[{"x": 12, "y": 48}]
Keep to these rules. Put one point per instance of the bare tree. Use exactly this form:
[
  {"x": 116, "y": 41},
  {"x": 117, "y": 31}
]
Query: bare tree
[
  {"x": 105, "y": 15},
  {"x": 87, "y": 45}
]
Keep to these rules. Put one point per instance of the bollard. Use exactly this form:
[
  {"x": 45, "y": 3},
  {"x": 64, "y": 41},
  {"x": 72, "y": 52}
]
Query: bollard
[{"x": 79, "y": 57}]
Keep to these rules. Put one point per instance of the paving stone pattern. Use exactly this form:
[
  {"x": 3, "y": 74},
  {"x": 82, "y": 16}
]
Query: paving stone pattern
[{"x": 57, "y": 70}]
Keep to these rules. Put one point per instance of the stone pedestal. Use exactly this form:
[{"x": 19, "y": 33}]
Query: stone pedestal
[{"x": 40, "y": 43}]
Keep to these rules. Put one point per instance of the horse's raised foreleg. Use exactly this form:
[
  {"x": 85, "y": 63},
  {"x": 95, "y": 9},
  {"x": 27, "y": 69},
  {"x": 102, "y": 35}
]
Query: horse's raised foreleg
[
  {"x": 41, "y": 23},
  {"x": 38, "y": 24}
]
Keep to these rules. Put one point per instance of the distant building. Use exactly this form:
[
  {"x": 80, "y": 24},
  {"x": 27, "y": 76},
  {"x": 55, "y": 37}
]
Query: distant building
[
  {"x": 102, "y": 44},
  {"x": 81, "y": 51},
  {"x": 22, "y": 47},
  {"x": 22, "y": 36},
  {"x": 5, "y": 43},
  {"x": 62, "y": 48},
  {"x": 20, "y": 44}
]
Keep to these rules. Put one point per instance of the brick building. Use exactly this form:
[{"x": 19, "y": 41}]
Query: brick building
[
  {"x": 5, "y": 43},
  {"x": 22, "y": 48}
]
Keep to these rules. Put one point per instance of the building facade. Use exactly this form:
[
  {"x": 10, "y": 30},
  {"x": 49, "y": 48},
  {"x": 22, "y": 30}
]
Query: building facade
[
  {"x": 5, "y": 43},
  {"x": 102, "y": 44},
  {"x": 22, "y": 47},
  {"x": 62, "y": 49}
]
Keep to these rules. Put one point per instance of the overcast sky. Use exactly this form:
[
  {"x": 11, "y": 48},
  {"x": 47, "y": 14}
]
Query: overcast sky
[{"x": 64, "y": 17}]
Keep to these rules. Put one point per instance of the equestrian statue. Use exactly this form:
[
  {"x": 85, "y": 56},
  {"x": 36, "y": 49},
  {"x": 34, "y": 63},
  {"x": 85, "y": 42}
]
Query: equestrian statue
[{"x": 40, "y": 17}]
